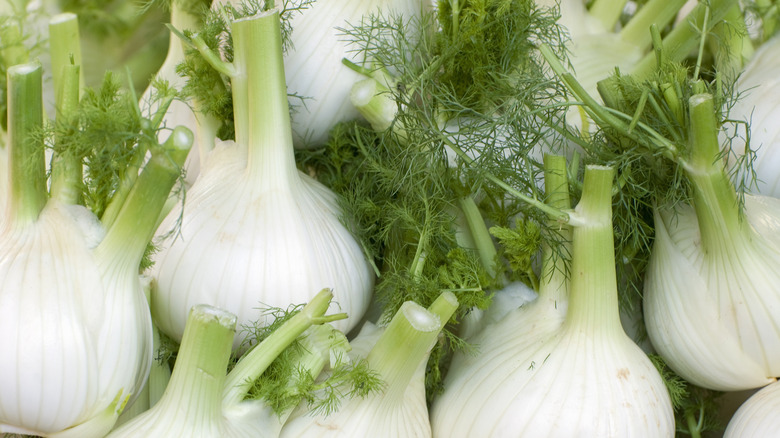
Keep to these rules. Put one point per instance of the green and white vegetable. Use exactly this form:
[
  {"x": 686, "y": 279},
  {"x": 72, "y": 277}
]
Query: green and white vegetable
[
  {"x": 535, "y": 375},
  {"x": 721, "y": 261},
  {"x": 255, "y": 231},
  {"x": 75, "y": 321}
]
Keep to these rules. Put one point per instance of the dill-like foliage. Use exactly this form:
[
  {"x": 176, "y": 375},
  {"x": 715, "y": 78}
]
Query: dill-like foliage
[
  {"x": 467, "y": 127},
  {"x": 287, "y": 382}
]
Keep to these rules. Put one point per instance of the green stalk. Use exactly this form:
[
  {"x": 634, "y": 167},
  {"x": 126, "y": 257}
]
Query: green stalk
[
  {"x": 262, "y": 113},
  {"x": 593, "y": 300},
  {"x": 240, "y": 379},
  {"x": 194, "y": 392},
  {"x": 658, "y": 12},
  {"x": 607, "y": 11},
  {"x": 65, "y": 46},
  {"x": 407, "y": 340},
  {"x": 66, "y": 172},
  {"x": 685, "y": 36},
  {"x": 714, "y": 197},
  {"x": 26, "y": 162},
  {"x": 479, "y": 234},
  {"x": 136, "y": 221}
]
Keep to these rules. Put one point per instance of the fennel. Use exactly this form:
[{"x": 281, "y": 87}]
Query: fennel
[
  {"x": 71, "y": 280},
  {"x": 255, "y": 230}
]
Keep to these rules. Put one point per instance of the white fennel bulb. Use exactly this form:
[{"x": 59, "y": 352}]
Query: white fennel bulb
[
  {"x": 254, "y": 230},
  {"x": 314, "y": 68},
  {"x": 398, "y": 354},
  {"x": 547, "y": 370},
  {"x": 203, "y": 400},
  {"x": 75, "y": 321},
  {"x": 759, "y": 89},
  {"x": 710, "y": 297},
  {"x": 757, "y": 417}
]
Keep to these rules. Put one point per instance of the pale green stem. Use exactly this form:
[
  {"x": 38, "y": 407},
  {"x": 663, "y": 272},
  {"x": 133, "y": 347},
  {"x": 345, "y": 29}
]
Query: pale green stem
[
  {"x": 26, "y": 162},
  {"x": 255, "y": 362},
  {"x": 198, "y": 378},
  {"x": 593, "y": 299},
  {"x": 66, "y": 171},
  {"x": 407, "y": 341},
  {"x": 714, "y": 197},
  {"x": 480, "y": 235},
  {"x": 658, "y": 12},
  {"x": 261, "y": 108},
  {"x": 607, "y": 11},
  {"x": 65, "y": 46},
  {"x": 136, "y": 222}
]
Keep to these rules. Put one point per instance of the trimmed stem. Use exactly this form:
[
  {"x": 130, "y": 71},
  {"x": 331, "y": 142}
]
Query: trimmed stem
[
  {"x": 684, "y": 37},
  {"x": 67, "y": 170},
  {"x": 408, "y": 339},
  {"x": 198, "y": 378},
  {"x": 254, "y": 363},
  {"x": 26, "y": 162},
  {"x": 262, "y": 112},
  {"x": 714, "y": 197},
  {"x": 136, "y": 221},
  {"x": 654, "y": 12},
  {"x": 607, "y": 11},
  {"x": 65, "y": 46},
  {"x": 593, "y": 300}
]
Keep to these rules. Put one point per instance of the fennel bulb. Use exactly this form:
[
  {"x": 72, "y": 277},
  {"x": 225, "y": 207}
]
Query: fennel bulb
[
  {"x": 540, "y": 374},
  {"x": 757, "y": 417},
  {"x": 203, "y": 400},
  {"x": 313, "y": 65},
  {"x": 75, "y": 321},
  {"x": 711, "y": 302},
  {"x": 255, "y": 231},
  {"x": 398, "y": 353}
]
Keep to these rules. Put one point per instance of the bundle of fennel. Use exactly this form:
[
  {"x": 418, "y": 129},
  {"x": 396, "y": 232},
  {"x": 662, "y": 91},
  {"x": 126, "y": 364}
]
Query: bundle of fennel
[{"x": 423, "y": 241}]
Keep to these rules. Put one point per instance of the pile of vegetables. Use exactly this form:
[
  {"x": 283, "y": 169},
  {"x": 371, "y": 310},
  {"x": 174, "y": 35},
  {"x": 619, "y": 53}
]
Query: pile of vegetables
[{"x": 388, "y": 218}]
